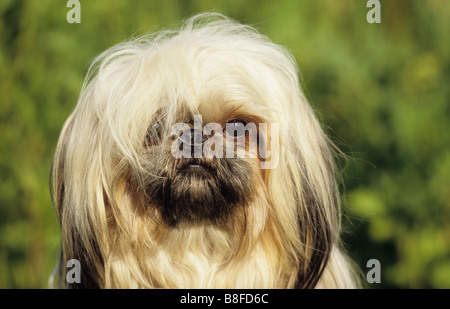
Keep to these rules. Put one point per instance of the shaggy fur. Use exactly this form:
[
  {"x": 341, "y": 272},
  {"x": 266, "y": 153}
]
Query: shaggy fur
[{"x": 137, "y": 217}]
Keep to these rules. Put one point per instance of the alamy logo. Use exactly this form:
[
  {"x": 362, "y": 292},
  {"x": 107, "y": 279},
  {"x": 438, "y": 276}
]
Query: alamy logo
[
  {"x": 374, "y": 15},
  {"x": 74, "y": 15},
  {"x": 241, "y": 140},
  {"x": 374, "y": 274},
  {"x": 74, "y": 273}
]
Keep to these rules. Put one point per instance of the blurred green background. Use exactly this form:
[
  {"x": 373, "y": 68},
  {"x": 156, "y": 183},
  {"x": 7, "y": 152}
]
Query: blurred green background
[{"x": 381, "y": 91}]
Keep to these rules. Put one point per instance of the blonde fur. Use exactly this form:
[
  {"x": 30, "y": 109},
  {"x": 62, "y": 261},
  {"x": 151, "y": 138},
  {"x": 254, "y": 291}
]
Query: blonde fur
[{"x": 288, "y": 235}]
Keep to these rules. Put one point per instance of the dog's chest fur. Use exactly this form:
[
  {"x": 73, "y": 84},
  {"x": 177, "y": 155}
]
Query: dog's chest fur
[{"x": 199, "y": 261}]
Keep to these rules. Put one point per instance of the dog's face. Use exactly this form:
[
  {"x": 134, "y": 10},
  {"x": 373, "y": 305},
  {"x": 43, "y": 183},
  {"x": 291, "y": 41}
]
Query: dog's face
[
  {"x": 198, "y": 186},
  {"x": 195, "y": 160},
  {"x": 205, "y": 151}
]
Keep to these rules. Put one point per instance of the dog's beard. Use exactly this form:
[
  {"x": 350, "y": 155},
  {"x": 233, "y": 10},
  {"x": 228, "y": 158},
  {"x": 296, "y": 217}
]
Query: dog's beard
[{"x": 198, "y": 190}]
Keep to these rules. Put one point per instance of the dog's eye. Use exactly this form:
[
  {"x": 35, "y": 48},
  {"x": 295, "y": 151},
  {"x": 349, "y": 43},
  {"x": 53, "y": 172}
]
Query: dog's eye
[
  {"x": 235, "y": 128},
  {"x": 154, "y": 132},
  {"x": 156, "y": 126}
]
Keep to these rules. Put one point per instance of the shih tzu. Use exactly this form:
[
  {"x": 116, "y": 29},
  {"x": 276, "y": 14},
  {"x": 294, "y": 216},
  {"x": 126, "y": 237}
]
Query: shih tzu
[{"x": 193, "y": 160}]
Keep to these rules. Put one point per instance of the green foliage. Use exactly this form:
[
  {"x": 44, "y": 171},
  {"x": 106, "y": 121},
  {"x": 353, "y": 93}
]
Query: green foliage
[{"x": 381, "y": 91}]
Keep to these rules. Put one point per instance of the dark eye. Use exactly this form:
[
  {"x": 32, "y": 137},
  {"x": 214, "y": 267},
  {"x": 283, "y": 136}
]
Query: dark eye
[
  {"x": 235, "y": 128},
  {"x": 156, "y": 126},
  {"x": 154, "y": 132}
]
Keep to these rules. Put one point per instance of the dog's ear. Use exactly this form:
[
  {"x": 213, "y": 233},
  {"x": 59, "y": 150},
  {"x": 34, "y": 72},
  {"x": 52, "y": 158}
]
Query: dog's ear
[
  {"x": 73, "y": 246},
  {"x": 304, "y": 199},
  {"x": 316, "y": 236},
  {"x": 90, "y": 259},
  {"x": 317, "y": 205}
]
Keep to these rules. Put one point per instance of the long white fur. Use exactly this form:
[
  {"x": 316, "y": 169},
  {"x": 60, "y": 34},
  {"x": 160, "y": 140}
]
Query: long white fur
[{"x": 210, "y": 63}]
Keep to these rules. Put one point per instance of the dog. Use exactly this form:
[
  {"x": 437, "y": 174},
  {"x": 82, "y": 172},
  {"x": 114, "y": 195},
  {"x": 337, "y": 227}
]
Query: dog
[{"x": 148, "y": 185}]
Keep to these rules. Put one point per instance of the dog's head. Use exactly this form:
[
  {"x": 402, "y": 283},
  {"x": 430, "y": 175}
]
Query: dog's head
[{"x": 202, "y": 126}]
